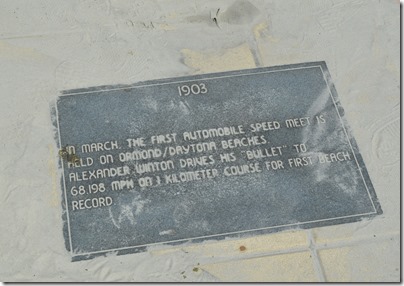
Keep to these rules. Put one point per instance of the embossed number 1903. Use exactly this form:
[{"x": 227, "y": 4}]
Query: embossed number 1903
[{"x": 185, "y": 90}]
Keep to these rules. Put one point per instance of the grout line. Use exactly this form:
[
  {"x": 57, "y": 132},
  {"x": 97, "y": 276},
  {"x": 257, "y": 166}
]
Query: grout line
[
  {"x": 355, "y": 241},
  {"x": 245, "y": 256},
  {"x": 252, "y": 44},
  {"x": 318, "y": 268},
  {"x": 216, "y": 235},
  {"x": 311, "y": 246},
  {"x": 40, "y": 35}
]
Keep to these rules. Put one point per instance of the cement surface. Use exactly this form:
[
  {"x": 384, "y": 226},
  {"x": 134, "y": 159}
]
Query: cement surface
[{"x": 48, "y": 46}]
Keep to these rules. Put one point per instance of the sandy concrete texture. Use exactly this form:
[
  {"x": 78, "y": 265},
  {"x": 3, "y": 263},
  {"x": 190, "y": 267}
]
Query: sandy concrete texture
[{"x": 47, "y": 46}]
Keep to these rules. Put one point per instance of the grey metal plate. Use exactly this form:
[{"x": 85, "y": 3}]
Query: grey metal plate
[{"x": 286, "y": 159}]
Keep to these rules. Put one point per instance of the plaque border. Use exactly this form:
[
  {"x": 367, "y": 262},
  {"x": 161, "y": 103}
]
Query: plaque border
[{"x": 265, "y": 230}]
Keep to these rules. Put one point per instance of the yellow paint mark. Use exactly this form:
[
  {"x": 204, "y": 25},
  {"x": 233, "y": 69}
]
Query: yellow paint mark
[
  {"x": 239, "y": 57},
  {"x": 291, "y": 267},
  {"x": 54, "y": 200},
  {"x": 256, "y": 244},
  {"x": 261, "y": 30},
  {"x": 11, "y": 52},
  {"x": 336, "y": 264},
  {"x": 172, "y": 15},
  {"x": 337, "y": 233},
  {"x": 165, "y": 27}
]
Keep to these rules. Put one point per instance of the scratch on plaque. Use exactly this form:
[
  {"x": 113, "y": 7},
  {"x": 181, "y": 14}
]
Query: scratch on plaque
[
  {"x": 167, "y": 232},
  {"x": 128, "y": 212},
  {"x": 185, "y": 108},
  {"x": 112, "y": 219}
]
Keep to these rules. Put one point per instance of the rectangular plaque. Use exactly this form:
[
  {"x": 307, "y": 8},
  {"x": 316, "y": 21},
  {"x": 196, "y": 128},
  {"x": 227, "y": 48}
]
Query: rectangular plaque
[{"x": 207, "y": 157}]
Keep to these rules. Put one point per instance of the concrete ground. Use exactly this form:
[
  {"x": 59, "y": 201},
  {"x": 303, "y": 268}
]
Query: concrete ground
[{"x": 47, "y": 46}]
